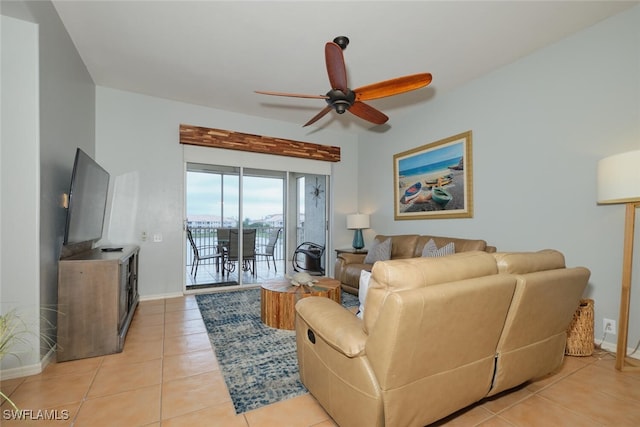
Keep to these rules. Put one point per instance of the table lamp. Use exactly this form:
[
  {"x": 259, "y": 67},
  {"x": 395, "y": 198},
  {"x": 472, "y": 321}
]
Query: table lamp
[
  {"x": 357, "y": 222},
  {"x": 619, "y": 182}
]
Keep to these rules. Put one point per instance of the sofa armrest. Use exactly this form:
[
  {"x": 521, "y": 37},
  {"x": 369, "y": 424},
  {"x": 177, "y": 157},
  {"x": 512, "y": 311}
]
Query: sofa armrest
[
  {"x": 333, "y": 323},
  {"x": 343, "y": 261},
  {"x": 351, "y": 258}
]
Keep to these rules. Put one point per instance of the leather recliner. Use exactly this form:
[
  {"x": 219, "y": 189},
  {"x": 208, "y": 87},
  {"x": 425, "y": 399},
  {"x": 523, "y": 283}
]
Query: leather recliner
[{"x": 438, "y": 334}]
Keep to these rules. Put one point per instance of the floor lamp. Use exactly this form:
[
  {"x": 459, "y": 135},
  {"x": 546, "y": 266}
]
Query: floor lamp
[{"x": 619, "y": 182}]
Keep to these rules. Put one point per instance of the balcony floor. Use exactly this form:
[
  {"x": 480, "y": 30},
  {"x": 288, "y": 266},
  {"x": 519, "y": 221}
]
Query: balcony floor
[{"x": 208, "y": 277}]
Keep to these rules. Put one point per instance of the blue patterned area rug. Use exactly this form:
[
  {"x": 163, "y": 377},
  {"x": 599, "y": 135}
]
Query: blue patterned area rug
[{"x": 259, "y": 363}]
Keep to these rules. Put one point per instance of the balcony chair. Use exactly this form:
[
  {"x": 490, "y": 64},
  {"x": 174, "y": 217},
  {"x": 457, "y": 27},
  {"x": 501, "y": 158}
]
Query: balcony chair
[
  {"x": 270, "y": 247},
  {"x": 222, "y": 234},
  {"x": 248, "y": 251},
  {"x": 308, "y": 258},
  {"x": 201, "y": 253}
]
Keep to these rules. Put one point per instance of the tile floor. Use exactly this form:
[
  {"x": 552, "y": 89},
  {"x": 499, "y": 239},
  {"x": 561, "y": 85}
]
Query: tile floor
[{"x": 168, "y": 376}]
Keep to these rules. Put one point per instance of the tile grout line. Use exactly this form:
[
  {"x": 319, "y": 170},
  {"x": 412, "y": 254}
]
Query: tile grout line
[
  {"x": 86, "y": 394},
  {"x": 565, "y": 408},
  {"x": 592, "y": 360}
]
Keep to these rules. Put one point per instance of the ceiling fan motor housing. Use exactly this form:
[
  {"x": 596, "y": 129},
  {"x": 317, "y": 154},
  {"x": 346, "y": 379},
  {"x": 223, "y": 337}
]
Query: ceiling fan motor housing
[{"x": 341, "y": 101}]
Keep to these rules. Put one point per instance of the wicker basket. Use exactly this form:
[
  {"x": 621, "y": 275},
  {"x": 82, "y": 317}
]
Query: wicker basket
[{"x": 580, "y": 332}]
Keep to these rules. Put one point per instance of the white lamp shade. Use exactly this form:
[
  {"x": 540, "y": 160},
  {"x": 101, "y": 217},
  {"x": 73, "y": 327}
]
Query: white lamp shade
[
  {"x": 619, "y": 178},
  {"x": 357, "y": 221}
]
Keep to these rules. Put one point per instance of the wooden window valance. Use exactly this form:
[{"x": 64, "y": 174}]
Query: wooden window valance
[{"x": 219, "y": 138}]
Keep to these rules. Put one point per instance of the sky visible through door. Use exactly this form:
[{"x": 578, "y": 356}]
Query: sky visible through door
[{"x": 262, "y": 196}]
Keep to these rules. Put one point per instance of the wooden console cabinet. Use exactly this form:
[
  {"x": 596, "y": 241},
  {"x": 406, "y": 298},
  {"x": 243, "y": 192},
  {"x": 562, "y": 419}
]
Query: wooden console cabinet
[{"x": 97, "y": 297}]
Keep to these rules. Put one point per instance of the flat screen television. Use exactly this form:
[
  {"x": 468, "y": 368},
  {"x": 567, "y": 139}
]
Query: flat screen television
[{"x": 87, "y": 200}]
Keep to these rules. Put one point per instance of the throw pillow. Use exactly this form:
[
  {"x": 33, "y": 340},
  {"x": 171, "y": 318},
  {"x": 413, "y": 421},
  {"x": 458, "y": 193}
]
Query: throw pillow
[
  {"x": 430, "y": 246},
  {"x": 428, "y": 251},
  {"x": 379, "y": 252},
  {"x": 362, "y": 291}
]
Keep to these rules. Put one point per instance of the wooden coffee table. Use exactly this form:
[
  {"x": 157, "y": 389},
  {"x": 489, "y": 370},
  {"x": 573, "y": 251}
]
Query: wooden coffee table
[{"x": 278, "y": 300}]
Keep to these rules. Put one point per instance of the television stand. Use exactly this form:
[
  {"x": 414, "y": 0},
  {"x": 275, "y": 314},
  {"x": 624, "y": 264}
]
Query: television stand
[{"x": 97, "y": 297}]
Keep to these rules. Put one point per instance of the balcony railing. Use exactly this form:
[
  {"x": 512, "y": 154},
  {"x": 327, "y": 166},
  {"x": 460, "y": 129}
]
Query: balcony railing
[{"x": 206, "y": 236}]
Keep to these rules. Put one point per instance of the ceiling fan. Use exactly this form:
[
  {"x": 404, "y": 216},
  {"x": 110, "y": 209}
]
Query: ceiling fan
[{"x": 340, "y": 98}]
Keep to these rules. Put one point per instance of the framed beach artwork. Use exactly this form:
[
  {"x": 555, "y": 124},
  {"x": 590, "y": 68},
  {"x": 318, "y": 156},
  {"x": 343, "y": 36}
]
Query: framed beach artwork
[{"x": 435, "y": 180}]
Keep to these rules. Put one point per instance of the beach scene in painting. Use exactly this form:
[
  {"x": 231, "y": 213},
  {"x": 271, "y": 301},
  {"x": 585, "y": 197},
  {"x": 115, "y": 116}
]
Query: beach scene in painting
[{"x": 432, "y": 180}]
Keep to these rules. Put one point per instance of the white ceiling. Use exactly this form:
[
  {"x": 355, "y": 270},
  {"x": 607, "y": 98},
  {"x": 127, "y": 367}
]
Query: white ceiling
[{"x": 216, "y": 53}]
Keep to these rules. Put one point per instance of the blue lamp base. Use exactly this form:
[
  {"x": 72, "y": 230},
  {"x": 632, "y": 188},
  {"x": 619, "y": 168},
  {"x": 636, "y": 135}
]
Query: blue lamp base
[{"x": 358, "y": 241}]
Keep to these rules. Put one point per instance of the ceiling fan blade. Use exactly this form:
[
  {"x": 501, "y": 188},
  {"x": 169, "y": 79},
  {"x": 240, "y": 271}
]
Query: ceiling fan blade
[
  {"x": 318, "y": 116},
  {"x": 336, "y": 69},
  {"x": 392, "y": 87},
  {"x": 294, "y": 95},
  {"x": 368, "y": 113}
]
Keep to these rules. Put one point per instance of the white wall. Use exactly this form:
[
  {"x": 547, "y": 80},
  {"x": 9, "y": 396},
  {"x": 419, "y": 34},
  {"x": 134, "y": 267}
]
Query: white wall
[
  {"x": 48, "y": 110},
  {"x": 19, "y": 185},
  {"x": 539, "y": 127},
  {"x": 67, "y": 121},
  {"x": 137, "y": 141}
]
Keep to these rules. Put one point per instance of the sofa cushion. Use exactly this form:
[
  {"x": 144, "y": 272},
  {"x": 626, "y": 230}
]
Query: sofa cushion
[
  {"x": 432, "y": 250},
  {"x": 380, "y": 251},
  {"x": 427, "y": 349},
  {"x": 535, "y": 331},
  {"x": 529, "y": 262},
  {"x": 402, "y": 245},
  {"x": 399, "y": 275}
]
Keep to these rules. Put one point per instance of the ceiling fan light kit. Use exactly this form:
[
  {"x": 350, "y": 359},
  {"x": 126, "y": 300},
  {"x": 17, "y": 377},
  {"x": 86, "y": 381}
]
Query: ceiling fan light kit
[{"x": 340, "y": 98}]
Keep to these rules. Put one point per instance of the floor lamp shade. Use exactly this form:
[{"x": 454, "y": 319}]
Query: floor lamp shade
[
  {"x": 357, "y": 222},
  {"x": 619, "y": 178},
  {"x": 619, "y": 182}
]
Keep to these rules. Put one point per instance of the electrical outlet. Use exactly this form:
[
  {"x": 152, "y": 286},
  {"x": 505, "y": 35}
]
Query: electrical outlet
[{"x": 609, "y": 326}]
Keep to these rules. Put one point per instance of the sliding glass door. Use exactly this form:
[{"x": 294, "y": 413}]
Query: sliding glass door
[
  {"x": 245, "y": 226},
  {"x": 235, "y": 226}
]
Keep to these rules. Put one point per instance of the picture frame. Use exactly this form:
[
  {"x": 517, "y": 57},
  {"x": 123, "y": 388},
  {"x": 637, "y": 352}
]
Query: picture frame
[{"x": 435, "y": 181}]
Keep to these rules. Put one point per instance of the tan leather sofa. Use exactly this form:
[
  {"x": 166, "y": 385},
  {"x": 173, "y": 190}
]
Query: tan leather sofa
[
  {"x": 348, "y": 265},
  {"x": 438, "y": 334}
]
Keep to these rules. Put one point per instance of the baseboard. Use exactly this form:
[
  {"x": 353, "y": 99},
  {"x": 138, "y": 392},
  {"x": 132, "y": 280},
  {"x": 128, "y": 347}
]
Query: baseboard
[
  {"x": 220, "y": 289},
  {"x": 607, "y": 346},
  {"x": 613, "y": 347},
  {"x": 25, "y": 371},
  {"x": 160, "y": 296}
]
